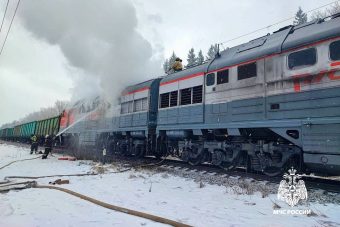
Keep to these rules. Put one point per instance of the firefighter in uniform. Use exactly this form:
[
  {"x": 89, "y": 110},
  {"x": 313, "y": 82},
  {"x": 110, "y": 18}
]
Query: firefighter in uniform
[
  {"x": 177, "y": 66},
  {"x": 48, "y": 146},
  {"x": 34, "y": 144},
  {"x": 104, "y": 156}
]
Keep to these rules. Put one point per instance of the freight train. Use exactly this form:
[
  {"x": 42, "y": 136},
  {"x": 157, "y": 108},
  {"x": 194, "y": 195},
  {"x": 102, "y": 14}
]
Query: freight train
[
  {"x": 23, "y": 132},
  {"x": 266, "y": 105}
]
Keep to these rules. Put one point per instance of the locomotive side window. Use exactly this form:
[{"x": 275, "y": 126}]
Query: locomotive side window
[
  {"x": 173, "y": 98},
  {"x": 164, "y": 103},
  {"x": 140, "y": 104},
  {"x": 137, "y": 105},
  {"x": 334, "y": 50},
  {"x": 246, "y": 71},
  {"x": 210, "y": 80},
  {"x": 197, "y": 93},
  {"x": 223, "y": 76},
  {"x": 186, "y": 96},
  {"x": 302, "y": 58},
  {"x": 124, "y": 108},
  {"x": 130, "y": 106},
  {"x": 144, "y": 104}
]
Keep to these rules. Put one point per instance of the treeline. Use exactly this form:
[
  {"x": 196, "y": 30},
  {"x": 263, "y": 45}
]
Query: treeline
[
  {"x": 192, "y": 58},
  {"x": 43, "y": 113},
  {"x": 300, "y": 18}
]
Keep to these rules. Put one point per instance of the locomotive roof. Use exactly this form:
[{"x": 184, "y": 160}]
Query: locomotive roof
[
  {"x": 283, "y": 40},
  {"x": 312, "y": 32},
  {"x": 189, "y": 71},
  {"x": 139, "y": 86}
]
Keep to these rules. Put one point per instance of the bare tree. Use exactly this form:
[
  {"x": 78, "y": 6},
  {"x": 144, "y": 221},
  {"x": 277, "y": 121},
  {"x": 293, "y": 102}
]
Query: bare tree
[
  {"x": 333, "y": 9},
  {"x": 43, "y": 113},
  {"x": 60, "y": 106}
]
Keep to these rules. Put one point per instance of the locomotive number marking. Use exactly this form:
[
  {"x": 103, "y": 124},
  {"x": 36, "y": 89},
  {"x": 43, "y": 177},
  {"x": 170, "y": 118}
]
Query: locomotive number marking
[{"x": 308, "y": 79}]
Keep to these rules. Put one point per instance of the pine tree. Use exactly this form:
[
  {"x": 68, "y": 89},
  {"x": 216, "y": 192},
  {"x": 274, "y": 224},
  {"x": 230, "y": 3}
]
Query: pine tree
[
  {"x": 172, "y": 59},
  {"x": 300, "y": 17},
  {"x": 200, "y": 57},
  {"x": 212, "y": 51},
  {"x": 166, "y": 65},
  {"x": 191, "y": 57}
]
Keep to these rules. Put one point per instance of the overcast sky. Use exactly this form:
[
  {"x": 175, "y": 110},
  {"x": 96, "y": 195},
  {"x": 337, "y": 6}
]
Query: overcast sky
[{"x": 36, "y": 68}]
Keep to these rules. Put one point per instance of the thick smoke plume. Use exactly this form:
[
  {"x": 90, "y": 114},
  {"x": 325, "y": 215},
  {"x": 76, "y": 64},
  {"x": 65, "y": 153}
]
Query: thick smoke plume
[{"x": 99, "y": 40}]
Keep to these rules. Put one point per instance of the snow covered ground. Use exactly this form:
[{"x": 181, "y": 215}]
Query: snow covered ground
[{"x": 161, "y": 194}]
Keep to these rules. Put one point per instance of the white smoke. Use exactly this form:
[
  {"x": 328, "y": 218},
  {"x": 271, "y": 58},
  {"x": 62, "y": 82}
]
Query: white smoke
[{"x": 99, "y": 39}]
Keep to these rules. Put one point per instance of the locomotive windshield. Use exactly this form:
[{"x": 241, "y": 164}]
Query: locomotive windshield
[{"x": 334, "y": 50}]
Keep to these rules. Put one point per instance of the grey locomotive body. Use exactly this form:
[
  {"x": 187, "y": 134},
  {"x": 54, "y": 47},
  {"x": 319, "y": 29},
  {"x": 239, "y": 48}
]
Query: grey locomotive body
[
  {"x": 265, "y": 104},
  {"x": 132, "y": 130}
]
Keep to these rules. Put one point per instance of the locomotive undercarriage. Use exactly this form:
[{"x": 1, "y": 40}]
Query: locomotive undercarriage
[
  {"x": 125, "y": 145},
  {"x": 258, "y": 150},
  {"x": 255, "y": 153}
]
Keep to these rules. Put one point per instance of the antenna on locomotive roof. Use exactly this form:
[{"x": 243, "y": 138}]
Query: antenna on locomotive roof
[{"x": 217, "y": 55}]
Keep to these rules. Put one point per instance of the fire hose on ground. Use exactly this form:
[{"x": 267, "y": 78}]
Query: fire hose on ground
[
  {"x": 4, "y": 186},
  {"x": 27, "y": 159},
  {"x": 116, "y": 208}
]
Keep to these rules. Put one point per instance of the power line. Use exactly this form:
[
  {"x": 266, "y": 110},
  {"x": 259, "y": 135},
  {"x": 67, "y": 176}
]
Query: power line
[
  {"x": 260, "y": 29},
  {"x": 10, "y": 25},
  {"x": 3, "y": 18}
]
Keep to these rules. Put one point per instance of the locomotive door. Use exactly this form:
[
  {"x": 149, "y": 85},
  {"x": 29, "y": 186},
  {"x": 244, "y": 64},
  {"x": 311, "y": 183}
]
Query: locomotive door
[{"x": 210, "y": 83}]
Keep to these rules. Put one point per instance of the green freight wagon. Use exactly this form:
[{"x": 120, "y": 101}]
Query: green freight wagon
[
  {"x": 27, "y": 130},
  {"x": 47, "y": 127},
  {"x": 17, "y": 132},
  {"x": 10, "y": 132},
  {"x": 23, "y": 132},
  {"x": 7, "y": 133},
  {"x": 2, "y": 133}
]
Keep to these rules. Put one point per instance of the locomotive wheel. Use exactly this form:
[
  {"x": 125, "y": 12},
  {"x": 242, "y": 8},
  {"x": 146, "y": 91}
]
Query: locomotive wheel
[
  {"x": 228, "y": 165},
  {"x": 273, "y": 171},
  {"x": 279, "y": 171},
  {"x": 193, "y": 156},
  {"x": 112, "y": 147},
  {"x": 161, "y": 149},
  {"x": 139, "y": 151},
  {"x": 195, "y": 161},
  {"x": 235, "y": 162}
]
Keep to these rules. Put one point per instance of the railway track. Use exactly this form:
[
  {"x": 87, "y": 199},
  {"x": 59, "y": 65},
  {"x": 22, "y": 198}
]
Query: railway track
[{"x": 328, "y": 184}]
